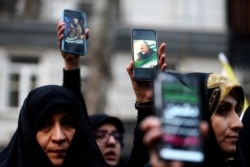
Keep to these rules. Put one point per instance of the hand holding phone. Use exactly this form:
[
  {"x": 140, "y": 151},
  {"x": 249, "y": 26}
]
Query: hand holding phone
[
  {"x": 144, "y": 54},
  {"x": 178, "y": 105},
  {"x": 74, "y": 40}
]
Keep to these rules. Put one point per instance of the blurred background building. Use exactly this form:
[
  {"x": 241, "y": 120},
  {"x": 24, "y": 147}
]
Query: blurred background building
[{"x": 195, "y": 31}]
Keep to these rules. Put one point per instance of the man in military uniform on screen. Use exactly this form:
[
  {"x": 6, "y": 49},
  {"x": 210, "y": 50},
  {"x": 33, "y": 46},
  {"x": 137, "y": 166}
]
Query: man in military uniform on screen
[{"x": 147, "y": 57}]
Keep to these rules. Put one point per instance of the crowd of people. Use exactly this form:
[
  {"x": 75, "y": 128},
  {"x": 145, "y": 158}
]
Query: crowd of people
[{"x": 54, "y": 128}]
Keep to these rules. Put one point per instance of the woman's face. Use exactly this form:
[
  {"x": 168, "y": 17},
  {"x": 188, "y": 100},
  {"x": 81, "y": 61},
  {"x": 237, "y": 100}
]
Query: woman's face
[
  {"x": 55, "y": 135},
  {"x": 226, "y": 124},
  {"x": 108, "y": 140}
]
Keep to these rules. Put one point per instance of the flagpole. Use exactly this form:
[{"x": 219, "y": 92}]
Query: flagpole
[{"x": 228, "y": 71}]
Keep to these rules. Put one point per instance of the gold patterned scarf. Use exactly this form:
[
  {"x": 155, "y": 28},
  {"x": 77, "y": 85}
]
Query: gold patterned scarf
[{"x": 218, "y": 87}]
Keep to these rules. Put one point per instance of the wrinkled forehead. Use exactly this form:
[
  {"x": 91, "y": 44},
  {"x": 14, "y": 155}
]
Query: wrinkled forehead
[{"x": 60, "y": 110}]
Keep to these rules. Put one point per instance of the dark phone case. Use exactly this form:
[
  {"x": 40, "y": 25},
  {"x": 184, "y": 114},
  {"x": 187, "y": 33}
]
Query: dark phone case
[
  {"x": 178, "y": 105},
  {"x": 146, "y": 66}
]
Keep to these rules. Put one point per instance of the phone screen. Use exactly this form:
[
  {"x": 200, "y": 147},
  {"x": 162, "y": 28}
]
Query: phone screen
[
  {"x": 144, "y": 53},
  {"x": 178, "y": 106},
  {"x": 74, "y": 40}
]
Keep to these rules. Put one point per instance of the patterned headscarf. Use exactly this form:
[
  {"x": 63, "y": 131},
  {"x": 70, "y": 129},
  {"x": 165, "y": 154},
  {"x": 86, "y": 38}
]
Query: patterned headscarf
[{"x": 218, "y": 87}]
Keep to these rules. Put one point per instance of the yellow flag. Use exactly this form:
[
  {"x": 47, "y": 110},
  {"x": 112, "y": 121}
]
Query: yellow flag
[{"x": 228, "y": 71}]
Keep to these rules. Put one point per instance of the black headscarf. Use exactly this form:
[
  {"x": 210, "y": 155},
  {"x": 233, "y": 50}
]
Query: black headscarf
[{"x": 24, "y": 150}]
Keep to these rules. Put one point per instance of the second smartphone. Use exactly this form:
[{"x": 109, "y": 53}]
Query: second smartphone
[
  {"x": 74, "y": 40},
  {"x": 178, "y": 104},
  {"x": 144, "y": 54}
]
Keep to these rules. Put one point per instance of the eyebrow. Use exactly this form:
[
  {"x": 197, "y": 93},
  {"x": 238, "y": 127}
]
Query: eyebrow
[
  {"x": 68, "y": 115},
  {"x": 225, "y": 102},
  {"x": 229, "y": 102}
]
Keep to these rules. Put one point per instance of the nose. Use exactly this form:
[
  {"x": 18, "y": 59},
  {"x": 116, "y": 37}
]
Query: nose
[
  {"x": 58, "y": 133},
  {"x": 236, "y": 122},
  {"x": 111, "y": 139}
]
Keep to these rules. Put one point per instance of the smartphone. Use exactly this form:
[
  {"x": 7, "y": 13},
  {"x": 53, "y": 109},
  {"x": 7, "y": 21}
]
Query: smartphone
[
  {"x": 74, "y": 40},
  {"x": 144, "y": 54},
  {"x": 177, "y": 103}
]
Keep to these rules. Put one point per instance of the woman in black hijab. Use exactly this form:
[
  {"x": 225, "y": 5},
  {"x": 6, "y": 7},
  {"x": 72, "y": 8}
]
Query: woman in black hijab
[{"x": 51, "y": 131}]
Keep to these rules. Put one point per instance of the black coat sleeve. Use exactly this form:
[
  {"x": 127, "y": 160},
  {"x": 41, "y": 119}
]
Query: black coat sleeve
[
  {"x": 139, "y": 155},
  {"x": 72, "y": 81}
]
